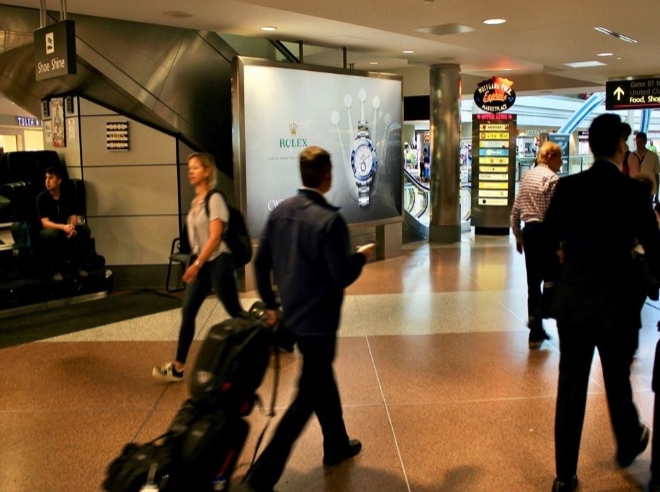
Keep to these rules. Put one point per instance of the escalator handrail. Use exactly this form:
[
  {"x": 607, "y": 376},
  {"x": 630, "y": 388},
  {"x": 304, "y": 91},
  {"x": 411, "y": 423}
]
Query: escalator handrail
[{"x": 414, "y": 180}]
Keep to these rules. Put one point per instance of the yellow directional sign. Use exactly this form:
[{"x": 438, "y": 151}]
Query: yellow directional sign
[
  {"x": 493, "y": 194},
  {"x": 493, "y": 169},
  {"x": 494, "y": 202},
  {"x": 485, "y": 185},
  {"x": 493, "y": 160},
  {"x": 493, "y": 177},
  {"x": 493, "y": 128},
  {"x": 497, "y": 144},
  {"x": 494, "y": 135}
]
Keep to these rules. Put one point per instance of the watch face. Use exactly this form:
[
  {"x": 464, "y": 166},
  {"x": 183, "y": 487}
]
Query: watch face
[{"x": 363, "y": 160}]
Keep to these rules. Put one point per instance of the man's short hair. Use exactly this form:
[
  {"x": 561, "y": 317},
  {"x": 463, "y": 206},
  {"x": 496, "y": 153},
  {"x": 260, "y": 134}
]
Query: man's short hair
[
  {"x": 314, "y": 165},
  {"x": 640, "y": 136},
  {"x": 57, "y": 171},
  {"x": 604, "y": 134},
  {"x": 627, "y": 130}
]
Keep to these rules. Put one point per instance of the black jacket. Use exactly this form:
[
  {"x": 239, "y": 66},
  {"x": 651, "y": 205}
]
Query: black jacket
[
  {"x": 305, "y": 244},
  {"x": 597, "y": 216}
]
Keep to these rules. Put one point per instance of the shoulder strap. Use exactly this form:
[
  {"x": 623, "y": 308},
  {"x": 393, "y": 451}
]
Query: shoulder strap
[
  {"x": 640, "y": 159},
  {"x": 211, "y": 192}
]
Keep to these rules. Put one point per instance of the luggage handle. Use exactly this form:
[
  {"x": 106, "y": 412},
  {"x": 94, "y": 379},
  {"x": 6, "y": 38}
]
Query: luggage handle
[{"x": 271, "y": 414}]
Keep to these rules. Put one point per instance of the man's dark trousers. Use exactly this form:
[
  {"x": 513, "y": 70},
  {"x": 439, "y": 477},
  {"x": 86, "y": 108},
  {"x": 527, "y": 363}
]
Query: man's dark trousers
[
  {"x": 536, "y": 256},
  {"x": 616, "y": 350},
  {"x": 58, "y": 248},
  {"x": 317, "y": 393},
  {"x": 655, "y": 451}
]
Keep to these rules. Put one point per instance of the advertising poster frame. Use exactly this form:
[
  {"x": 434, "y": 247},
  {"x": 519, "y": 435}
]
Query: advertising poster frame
[{"x": 384, "y": 146}]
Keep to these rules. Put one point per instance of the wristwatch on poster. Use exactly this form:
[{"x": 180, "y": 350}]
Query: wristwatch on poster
[{"x": 364, "y": 162}]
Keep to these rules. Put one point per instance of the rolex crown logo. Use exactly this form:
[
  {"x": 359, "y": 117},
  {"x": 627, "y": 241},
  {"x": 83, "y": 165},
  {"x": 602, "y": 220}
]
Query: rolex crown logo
[{"x": 293, "y": 127}]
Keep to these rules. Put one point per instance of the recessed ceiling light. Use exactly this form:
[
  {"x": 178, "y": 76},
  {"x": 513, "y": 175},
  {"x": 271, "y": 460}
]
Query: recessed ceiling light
[
  {"x": 605, "y": 54},
  {"x": 507, "y": 69},
  {"x": 269, "y": 28},
  {"x": 584, "y": 64},
  {"x": 619, "y": 58},
  {"x": 492, "y": 22},
  {"x": 178, "y": 14},
  {"x": 373, "y": 63},
  {"x": 408, "y": 52}
]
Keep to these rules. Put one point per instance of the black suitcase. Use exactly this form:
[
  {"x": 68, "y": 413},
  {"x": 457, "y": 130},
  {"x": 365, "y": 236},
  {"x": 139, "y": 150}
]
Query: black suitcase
[{"x": 231, "y": 364}]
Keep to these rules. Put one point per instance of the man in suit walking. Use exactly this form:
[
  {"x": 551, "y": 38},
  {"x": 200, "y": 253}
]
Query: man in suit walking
[
  {"x": 594, "y": 220},
  {"x": 305, "y": 245}
]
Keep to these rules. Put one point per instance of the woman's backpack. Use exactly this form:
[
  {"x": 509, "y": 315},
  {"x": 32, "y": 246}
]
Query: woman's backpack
[{"x": 235, "y": 234}]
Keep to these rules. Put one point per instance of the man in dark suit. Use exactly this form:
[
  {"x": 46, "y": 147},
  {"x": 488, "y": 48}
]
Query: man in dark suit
[
  {"x": 306, "y": 247},
  {"x": 594, "y": 220}
]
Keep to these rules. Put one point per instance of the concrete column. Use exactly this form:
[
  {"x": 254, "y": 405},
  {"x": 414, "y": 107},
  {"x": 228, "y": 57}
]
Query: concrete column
[{"x": 445, "y": 219}]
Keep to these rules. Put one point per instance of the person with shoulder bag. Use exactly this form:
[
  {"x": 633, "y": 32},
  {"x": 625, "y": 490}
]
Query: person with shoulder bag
[{"x": 211, "y": 263}]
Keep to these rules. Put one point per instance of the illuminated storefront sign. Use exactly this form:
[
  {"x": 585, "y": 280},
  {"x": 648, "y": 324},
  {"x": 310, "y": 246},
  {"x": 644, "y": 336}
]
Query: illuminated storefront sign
[
  {"x": 495, "y": 95},
  {"x": 27, "y": 121}
]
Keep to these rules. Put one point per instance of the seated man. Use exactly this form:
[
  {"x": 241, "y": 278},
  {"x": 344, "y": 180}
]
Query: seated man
[{"x": 62, "y": 237}]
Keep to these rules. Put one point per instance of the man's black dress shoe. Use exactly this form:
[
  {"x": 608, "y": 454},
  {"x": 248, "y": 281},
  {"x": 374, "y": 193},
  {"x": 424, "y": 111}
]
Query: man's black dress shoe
[
  {"x": 567, "y": 486},
  {"x": 625, "y": 459},
  {"x": 353, "y": 448}
]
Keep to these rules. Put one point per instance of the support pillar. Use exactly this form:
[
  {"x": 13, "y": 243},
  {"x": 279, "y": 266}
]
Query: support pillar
[{"x": 445, "y": 218}]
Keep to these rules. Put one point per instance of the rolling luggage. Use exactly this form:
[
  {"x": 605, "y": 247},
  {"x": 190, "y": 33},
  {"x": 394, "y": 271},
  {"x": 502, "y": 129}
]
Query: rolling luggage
[{"x": 199, "y": 451}]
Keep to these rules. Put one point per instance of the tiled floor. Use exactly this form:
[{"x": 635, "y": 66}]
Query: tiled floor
[{"x": 433, "y": 367}]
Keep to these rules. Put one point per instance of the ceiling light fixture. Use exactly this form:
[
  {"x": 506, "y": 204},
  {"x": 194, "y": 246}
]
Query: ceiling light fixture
[
  {"x": 585, "y": 64},
  {"x": 269, "y": 28},
  {"x": 622, "y": 37},
  {"x": 408, "y": 52},
  {"x": 494, "y": 22},
  {"x": 178, "y": 14},
  {"x": 373, "y": 63},
  {"x": 507, "y": 69},
  {"x": 605, "y": 54}
]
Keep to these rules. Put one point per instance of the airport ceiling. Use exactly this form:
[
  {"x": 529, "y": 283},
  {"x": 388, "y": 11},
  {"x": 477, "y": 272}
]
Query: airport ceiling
[{"x": 535, "y": 43}]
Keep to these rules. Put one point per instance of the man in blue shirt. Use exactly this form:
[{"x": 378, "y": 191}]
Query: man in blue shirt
[{"x": 306, "y": 247}]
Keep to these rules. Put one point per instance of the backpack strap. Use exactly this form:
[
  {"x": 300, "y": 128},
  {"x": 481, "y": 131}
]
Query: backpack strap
[
  {"x": 640, "y": 159},
  {"x": 210, "y": 193}
]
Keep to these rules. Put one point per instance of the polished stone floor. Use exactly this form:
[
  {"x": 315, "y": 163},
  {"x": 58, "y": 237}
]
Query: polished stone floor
[{"x": 433, "y": 367}]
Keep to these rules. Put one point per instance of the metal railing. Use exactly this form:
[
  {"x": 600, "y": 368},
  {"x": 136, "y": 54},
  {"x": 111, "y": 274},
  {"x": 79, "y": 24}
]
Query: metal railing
[{"x": 576, "y": 164}]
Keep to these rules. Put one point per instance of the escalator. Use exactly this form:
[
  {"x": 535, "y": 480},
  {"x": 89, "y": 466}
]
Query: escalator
[
  {"x": 173, "y": 79},
  {"x": 416, "y": 204}
]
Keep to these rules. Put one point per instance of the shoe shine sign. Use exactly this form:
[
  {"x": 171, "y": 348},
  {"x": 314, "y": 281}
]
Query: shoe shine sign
[{"x": 55, "y": 50}]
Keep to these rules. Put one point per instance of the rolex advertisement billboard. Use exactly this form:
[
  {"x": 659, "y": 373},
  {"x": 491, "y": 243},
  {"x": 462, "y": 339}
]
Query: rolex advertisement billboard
[{"x": 279, "y": 109}]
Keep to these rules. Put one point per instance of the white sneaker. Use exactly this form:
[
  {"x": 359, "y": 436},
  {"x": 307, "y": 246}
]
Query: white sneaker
[{"x": 167, "y": 373}]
